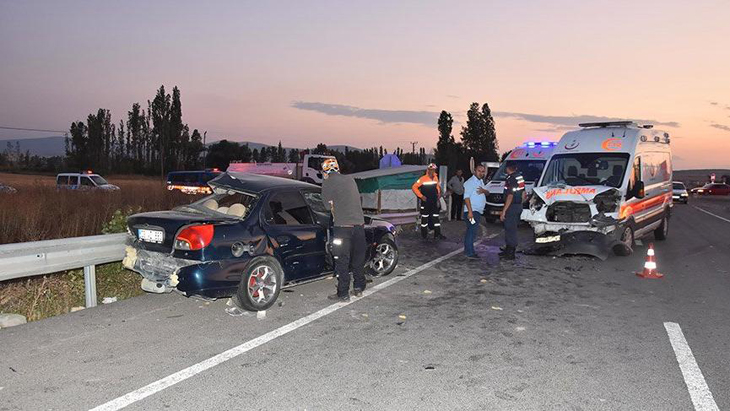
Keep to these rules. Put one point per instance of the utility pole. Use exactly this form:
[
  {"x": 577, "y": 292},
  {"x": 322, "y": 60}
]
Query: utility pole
[
  {"x": 413, "y": 146},
  {"x": 205, "y": 151}
]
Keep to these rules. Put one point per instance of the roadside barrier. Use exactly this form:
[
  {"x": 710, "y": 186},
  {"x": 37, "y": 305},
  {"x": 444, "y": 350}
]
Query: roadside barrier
[{"x": 650, "y": 270}]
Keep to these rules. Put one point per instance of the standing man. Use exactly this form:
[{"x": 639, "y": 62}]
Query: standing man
[
  {"x": 456, "y": 186},
  {"x": 474, "y": 203},
  {"x": 514, "y": 187},
  {"x": 427, "y": 188},
  {"x": 340, "y": 195}
]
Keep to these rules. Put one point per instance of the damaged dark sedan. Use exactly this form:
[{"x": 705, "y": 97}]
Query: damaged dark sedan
[{"x": 254, "y": 235}]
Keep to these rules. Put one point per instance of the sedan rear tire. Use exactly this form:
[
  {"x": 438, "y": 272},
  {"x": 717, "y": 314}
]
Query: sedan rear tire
[{"x": 260, "y": 284}]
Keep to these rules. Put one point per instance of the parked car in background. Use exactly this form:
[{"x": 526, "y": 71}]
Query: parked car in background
[
  {"x": 679, "y": 192},
  {"x": 252, "y": 236},
  {"x": 192, "y": 182},
  {"x": 7, "y": 189},
  {"x": 83, "y": 181},
  {"x": 712, "y": 189}
]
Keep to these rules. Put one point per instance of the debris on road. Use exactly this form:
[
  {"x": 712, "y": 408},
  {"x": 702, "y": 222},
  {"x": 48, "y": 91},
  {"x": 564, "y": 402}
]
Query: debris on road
[
  {"x": 427, "y": 292},
  {"x": 483, "y": 281},
  {"x": 494, "y": 307},
  {"x": 109, "y": 300},
  {"x": 79, "y": 308},
  {"x": 519, "y": 328},
  {"x": 402, "y": 317},
  {"x": 236, "y": 312},
  {"x": 365, "y": 315},
  {"x": 11, "y": 320},
  {"x": 261, "y": 314}
]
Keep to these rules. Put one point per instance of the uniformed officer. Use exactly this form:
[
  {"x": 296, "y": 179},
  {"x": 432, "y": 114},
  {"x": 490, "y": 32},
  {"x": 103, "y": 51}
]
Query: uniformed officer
[
  {"x": 427, "y": 188},
  {"x": 514, "y": 189}
]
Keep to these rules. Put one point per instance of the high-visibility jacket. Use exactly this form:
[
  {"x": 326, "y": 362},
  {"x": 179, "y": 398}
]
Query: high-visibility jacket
[{"x": 427, "y": 188}]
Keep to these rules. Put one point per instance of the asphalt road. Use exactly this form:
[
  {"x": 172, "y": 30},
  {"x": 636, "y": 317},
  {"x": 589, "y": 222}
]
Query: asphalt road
[{"x": 571, "y": 333}]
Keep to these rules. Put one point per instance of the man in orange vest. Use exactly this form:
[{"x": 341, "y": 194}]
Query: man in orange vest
[{"x": 427, "y": 188}]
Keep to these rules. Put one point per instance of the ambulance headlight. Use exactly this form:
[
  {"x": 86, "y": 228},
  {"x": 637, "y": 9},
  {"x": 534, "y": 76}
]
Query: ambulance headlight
[
  {"x": 608, "y": 201},
  {"x": 535, "y": 202}
]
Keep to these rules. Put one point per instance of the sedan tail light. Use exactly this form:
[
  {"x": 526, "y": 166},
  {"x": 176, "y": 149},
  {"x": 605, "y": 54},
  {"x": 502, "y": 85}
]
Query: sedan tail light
[{"x": 195, "y": 237}]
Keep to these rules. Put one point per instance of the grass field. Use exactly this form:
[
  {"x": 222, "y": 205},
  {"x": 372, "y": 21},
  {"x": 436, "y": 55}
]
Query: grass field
[{"x": 37, "y": 211}]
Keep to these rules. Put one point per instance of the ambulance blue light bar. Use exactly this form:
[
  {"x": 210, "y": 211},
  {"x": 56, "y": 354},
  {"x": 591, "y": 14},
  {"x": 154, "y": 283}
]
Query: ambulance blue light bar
[{"x": 531, "y": 144}]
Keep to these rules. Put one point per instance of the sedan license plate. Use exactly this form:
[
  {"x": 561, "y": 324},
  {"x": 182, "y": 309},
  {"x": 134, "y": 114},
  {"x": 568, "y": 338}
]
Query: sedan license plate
[
  {"x": 151, "y": 236},
  {"x": 548, "y": 239}
]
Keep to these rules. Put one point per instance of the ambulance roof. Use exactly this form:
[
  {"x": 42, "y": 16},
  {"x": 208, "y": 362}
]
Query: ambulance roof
[{"x": 620, "y": 137}]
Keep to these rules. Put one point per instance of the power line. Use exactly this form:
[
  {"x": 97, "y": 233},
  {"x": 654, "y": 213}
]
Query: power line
[{"x": 32, "y": 129}]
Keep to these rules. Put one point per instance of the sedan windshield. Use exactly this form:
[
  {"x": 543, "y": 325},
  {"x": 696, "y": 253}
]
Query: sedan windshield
[
  {"x": 99, "y": 180},
  {"x": 678, "y": 186},
  {"x": 531, "y": 170},
  {"x": 586, "y": 169}
]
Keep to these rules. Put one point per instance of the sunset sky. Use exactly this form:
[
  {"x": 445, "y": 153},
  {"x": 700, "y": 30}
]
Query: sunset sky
[{"x": 375, "y": 73}]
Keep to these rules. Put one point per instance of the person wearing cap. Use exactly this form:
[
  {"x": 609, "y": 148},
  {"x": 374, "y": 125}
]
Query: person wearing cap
[
  {"x": 514, "y": 189},
  {"x": 427, "y": 189},
  {"x": 340, "y": 195}
]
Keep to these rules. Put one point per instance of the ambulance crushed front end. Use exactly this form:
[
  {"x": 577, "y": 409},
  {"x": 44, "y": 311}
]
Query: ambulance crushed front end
[{"x": 576, "y": 220}]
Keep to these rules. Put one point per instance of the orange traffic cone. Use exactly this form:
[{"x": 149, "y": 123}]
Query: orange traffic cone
[{"x": 650, "y": 265}]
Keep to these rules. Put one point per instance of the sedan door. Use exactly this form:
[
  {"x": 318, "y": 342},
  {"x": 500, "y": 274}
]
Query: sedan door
[{"x": 298, "y": 241}]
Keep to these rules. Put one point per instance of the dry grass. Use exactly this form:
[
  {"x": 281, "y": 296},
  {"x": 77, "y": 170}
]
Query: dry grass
[
  {"x": 49, "y": 295},
  {"x": 40, "y": 212}
]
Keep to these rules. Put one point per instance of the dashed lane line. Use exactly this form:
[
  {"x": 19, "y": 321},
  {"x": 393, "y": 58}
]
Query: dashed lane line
[
  {"x": 699, "y": 392},
  {"x": 714, "y": 215},
  {"x": 182, "y": 375}
]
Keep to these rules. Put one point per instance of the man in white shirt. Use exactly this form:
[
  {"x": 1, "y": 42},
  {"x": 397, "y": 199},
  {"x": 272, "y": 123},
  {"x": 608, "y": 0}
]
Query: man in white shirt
[
  {"x": 456, "y": 187},
  {"x": 474, "y": 203}
]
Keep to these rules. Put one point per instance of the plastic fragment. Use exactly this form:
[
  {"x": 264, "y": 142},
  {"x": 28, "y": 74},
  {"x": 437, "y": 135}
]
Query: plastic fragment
[
  {"x": 402, "y": 317},
  {"x": 109, "y": 300},
  {"x": 261, "y": 315},
  {"x": 74, "y": 309},
  {"x": 483, "y": 281},
  {"x": 494, "y": 307},
  {"x": 427, "y": 292},
  {"x": 365, "y": 315}
]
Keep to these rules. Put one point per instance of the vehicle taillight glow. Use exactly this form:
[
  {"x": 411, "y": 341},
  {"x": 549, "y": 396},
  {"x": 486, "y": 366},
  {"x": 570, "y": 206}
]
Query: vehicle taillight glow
[{"x": 195, "y": 237}]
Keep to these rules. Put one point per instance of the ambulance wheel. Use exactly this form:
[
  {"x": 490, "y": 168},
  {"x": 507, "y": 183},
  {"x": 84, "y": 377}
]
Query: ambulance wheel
[
  {"x": 627, "y": 240},
  {"x": 660, "y": 234}
]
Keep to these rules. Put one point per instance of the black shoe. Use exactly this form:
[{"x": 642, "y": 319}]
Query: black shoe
[
  {"x": 472, "y": 257},
  {"x": 439, "y": 237},
  {"x": 339, "y": 298},
  {"x": 507, "y": 251},
  {"x": 357, "y": 292},
  {"x": 368, "y": 278}
]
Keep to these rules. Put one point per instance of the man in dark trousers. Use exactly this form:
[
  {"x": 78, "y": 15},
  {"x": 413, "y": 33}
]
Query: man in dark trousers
[
  {"x": 514, "y": 188},
  {"x": 340, "y": 194},
  {"x": 456, "y": 187},
  {"x": 428, "y": 189}
]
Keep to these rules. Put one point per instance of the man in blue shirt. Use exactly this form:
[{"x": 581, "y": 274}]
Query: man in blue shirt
[{"x": 474, "y": 202}]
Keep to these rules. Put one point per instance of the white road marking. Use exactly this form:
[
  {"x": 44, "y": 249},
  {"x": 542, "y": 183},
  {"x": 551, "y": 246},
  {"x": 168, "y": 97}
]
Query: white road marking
[
  {"x": 714, "y": 215},
  {"x": 182, "y": 375},
  {"x": 698, "y": 390}
]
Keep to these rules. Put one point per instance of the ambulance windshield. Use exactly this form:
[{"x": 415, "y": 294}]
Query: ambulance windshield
[
  {"x": 531, "y": 170},
  {"x": 582, "y": 169}
]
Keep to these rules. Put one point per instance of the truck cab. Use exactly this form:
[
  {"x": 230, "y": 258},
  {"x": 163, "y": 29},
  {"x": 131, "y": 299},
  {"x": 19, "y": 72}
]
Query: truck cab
[{"x": 531, "y": 158}]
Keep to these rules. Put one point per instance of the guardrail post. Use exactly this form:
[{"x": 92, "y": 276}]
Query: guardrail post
[{"x": 90, "y": 285}]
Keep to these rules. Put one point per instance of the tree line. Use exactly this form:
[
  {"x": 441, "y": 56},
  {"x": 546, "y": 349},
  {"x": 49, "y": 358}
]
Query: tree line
[{"x": 148, "y": 142}]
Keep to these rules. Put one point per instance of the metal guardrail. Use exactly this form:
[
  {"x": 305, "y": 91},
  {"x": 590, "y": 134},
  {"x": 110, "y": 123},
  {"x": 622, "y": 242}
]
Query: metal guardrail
[{"x": 45, "y": 257}]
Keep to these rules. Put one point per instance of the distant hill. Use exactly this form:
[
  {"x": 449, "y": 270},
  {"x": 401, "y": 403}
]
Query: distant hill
[
  {"x": 56, "y": 146},
  {"x": 43, "y": 147}
]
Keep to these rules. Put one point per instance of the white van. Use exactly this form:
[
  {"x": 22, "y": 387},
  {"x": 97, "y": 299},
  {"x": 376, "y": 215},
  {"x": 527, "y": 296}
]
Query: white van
[
  {"x": 606, "y": 185},
  {"x": 531, "y": 158},
  {"x": 83, "y": 181}
]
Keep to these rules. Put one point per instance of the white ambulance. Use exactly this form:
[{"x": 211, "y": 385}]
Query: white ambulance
[
  {"x": 531, "y": 158},
  {"x": 606, "y": 185}
]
